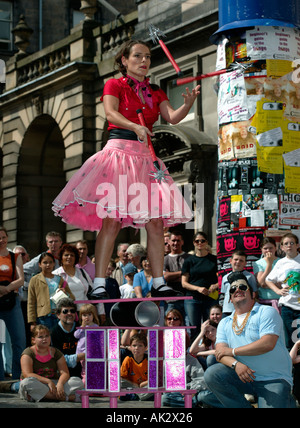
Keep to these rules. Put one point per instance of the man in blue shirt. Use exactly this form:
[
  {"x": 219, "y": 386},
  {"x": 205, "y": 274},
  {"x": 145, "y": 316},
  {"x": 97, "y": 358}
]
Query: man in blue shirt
[{"x": 251, "y": 352}]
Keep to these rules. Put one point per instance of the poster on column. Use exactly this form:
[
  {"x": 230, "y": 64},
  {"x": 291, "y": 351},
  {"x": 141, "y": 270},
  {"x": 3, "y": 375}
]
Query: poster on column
[
  {"x": 255, "y": 92},
  {"x": 247, "y": 240},
  {"x": 235, "y": 141},
  {"x": 264, "y": 42},
  {"x": 268, "y": 122},
  {"x": 292, "y": 171},
  {"x": 232, "y": 98},
  {"x": 224, "y": 211},
  {"x": 292, "y": 111},
  {"x": 289, "y": 210},
  {"x": 291, "y": 136}
]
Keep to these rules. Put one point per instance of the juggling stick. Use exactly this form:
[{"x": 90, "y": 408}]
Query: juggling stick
[
  {"x": 232, "y": 67},
  {"x": 156, "y": 35},
  {"x": 158, "y": 174}
]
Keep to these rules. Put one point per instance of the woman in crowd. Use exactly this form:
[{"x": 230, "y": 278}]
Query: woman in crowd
[
  {"x": 199, "y": 278},
  {"x": 262, "y": 268},
  {"x": 43, "y": 286},
  {"x": 79, "y": 281},
  {"x": 143, "y": 280},
  {"x": 11, "y": 279},
  {"x": 173, "y": 318}
]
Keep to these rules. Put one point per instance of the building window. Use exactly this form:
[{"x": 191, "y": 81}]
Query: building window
[
  {"x": 77, "y": 17},
  {"x": 175, "y": 96},
  {"x": 5, "y": 25}
]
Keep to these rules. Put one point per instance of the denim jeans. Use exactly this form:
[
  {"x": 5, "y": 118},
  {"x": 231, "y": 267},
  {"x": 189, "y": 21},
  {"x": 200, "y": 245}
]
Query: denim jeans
[
  {"x": 270, "y": 394},
  {"x": 14, "y": 322},
  {"x": 288, "y": 316},
  {"x": 197, "y": 312},
  {"x": 49, "y": 321},
  {"x": 175, "y": 399}
]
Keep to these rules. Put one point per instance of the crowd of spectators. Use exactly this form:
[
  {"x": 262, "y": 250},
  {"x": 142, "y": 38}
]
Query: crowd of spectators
[{"x": 243, "y": 329}]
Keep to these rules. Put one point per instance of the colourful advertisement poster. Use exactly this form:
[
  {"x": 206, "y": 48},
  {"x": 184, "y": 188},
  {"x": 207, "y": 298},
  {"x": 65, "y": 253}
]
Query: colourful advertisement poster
[
  {"x": 289, "y": 210},
  {"x": 232, "y": 98},
  {"x": 264, "y": 42},
  {"x": 292, "y": 171},
  {"x": 236, "y": 141},
  {"x": 245, "y": 240},
  {"x": 291, "y": 136},
  {"x": 268, "y": 122}
]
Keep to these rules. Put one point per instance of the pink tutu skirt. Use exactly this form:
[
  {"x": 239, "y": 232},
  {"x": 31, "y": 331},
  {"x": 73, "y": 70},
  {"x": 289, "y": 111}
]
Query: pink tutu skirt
[{"x": 116, "y": 182}]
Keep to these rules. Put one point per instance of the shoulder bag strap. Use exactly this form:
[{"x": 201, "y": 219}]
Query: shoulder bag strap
[{"x": 13, "y": 263}]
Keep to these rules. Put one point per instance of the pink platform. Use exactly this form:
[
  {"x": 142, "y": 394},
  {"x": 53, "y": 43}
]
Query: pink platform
[
  {"x": 166, "y": 360},
  {"x": 113, "y": 396}
]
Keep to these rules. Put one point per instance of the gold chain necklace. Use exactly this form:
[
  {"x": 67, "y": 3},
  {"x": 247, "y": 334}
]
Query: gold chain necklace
[{"x": 238, "y": 330}]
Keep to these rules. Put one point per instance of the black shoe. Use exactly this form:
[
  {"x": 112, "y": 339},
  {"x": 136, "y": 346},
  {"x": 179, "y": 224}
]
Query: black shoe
[
  {"x": 155, "y": 292},
  {"x": 98, "y": 294}
]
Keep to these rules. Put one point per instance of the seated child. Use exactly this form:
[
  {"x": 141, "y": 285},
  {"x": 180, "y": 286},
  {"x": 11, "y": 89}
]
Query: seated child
[
  {"x": 134, "y": 369},
  {"x": 203, "y": 347},
  {"x": 45, "y": 374},
  {"x": 87, "y": 317}
]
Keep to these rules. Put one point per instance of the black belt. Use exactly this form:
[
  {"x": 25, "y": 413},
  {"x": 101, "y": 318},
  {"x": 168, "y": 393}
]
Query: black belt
[{"x": 123, "y": 134}]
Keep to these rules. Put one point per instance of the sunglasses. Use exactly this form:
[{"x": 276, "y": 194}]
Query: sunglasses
[
  {"x": 66, "y": 311},
  {"x": 173, "y": 319},
  {"x": 241, "y": 287},
  {"x": 200, "y": 241}
]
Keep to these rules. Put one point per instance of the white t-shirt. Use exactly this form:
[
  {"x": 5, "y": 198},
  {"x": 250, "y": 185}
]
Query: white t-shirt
[
  {"x": 287, "y": 272},
  {"x": 127, "y": 291}
]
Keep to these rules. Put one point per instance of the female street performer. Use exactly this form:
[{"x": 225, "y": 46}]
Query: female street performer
[{"x": 114, "y": 188}]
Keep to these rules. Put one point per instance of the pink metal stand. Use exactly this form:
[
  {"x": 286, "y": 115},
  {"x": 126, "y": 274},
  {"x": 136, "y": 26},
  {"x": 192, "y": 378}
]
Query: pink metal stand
[{"x": 166, "y": 361}]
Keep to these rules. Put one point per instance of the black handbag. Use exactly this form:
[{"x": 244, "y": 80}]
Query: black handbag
[{"x": 8, "y": 301}]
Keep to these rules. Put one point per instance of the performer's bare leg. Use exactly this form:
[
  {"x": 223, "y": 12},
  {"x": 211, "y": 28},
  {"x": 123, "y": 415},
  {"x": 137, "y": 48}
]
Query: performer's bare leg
[
  {"x": 156, "y": 250},
  {"x": 103, "y": 251},
  {"x": 156, "y": 246}
]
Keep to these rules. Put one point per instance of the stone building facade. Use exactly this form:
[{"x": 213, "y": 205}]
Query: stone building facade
[{"x": 52, "y": 120}]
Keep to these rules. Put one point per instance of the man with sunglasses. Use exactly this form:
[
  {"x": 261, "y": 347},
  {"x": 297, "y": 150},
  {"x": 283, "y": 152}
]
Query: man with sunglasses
[
  {"x": 251, "y": 354},
  {"x": 63, "y": 335}
]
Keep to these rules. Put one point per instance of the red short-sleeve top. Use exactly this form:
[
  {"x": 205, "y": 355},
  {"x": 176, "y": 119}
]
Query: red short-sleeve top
[{"x": 129, "y": 102}]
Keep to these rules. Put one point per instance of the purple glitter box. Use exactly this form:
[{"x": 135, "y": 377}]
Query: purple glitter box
[
  {"x": 95, "y": 360},
  {"x": 96, "y": 375},
  {"x": 95, "y": 344}
]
